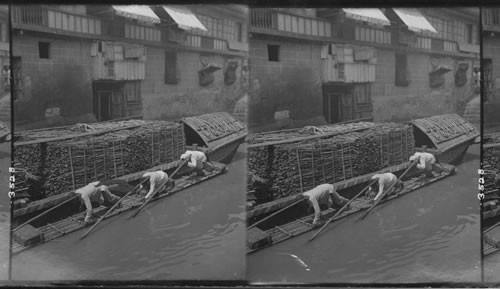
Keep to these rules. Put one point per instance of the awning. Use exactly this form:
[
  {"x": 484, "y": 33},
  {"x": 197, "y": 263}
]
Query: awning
[
  {"x": 414, "y": 20},
  {"x": 184, "y": 18},
  {"x": 372, "y": 15},
  {"x": 139, "y": 12}
]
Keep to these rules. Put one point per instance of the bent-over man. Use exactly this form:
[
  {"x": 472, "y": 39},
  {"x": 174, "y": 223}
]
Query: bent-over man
[
  {"x": 384, "y": 182},
  {"x": 427, "y": 163},
  {"x": 197, "y": 161},
  {"x": 157, "y": 180},
  {"x": 97, "y": 194},
  {"x": 323, "y": 196}
]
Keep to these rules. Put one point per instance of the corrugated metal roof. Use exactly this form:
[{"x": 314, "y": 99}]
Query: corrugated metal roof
[
  {"x": 184, "y": 18},
  {"x": 372, "y": 15},
  {"x": 139, "y": 12},
  {"x": 414, "y": 20},
  {"x": 447, "y": 130}
]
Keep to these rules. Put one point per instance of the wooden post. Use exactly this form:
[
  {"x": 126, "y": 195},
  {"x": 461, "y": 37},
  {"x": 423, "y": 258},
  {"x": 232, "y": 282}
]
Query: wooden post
[
  {"x": 72, "y": 171},
  {"x": 300, "y": 171}
]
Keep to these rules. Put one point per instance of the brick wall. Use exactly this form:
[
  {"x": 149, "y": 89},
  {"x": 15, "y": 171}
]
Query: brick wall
[
  {"x": 292, "y": 84},
  {"x": 187, "y": 98},
  {"x": 64, "y": 80},
  {"x": 392, "y": 103}
]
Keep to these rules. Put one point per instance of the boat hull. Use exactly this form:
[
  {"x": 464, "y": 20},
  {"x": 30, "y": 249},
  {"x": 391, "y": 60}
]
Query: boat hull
[
  {"x": 75, "y": 222},
  {"x": 303, "y": 225}
]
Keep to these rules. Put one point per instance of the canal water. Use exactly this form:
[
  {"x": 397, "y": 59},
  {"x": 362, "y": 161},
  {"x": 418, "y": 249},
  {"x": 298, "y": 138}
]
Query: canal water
[
  {"x": 429, "y": 235},
  {"x": 4, "y": 210},
  {"x": 198, "y": 233}
]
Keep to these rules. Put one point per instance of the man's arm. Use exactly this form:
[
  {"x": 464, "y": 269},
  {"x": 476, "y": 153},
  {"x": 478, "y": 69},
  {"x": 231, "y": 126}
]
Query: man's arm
[
  {"x": 88, "y": 205},
  {"x": 380, "y": 189},
  {"x": 192, "y": 163},
  {"x": 315, "y": 204},
  {"x": 151, "y": 187},
  {"x": 421, "y": 163}
]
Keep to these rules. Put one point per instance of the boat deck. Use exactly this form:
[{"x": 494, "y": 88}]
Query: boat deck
[
  {"x": 75, "y": 222},
  {"x": 303, "y": 225}
]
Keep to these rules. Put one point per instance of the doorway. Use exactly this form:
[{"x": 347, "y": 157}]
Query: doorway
[
  {"x": 103, "y": 95},
  {"x": 337, "y": 102},
  {"x": 331, "y": 107}
]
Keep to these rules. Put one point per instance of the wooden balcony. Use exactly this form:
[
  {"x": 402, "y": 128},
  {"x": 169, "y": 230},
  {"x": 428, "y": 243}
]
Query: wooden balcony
[
  {"x": 51, "y": 20},
  {"x": 268, "y": 19},
  {"x": 42, "y": 18}
]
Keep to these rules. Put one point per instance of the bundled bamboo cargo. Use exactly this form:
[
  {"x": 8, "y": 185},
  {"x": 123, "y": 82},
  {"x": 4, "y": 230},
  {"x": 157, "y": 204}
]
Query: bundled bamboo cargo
[
  {"x": 75, "y": 130},
  {"x": 72, "y": 163},
  {"x": 308, "y": 131},
  {"x": 297, "y": 167}
]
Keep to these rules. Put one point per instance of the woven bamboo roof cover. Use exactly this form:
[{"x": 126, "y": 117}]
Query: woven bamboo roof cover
[
  {"x": 447, "y": 130},
  {"x": 214, "y": 126}
]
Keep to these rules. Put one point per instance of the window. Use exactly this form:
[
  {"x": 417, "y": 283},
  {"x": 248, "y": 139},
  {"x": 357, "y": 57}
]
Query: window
[
  {"x": 239, "y": 32},
  {"x": 362, "y": 93},
  {"x": 171, "y": 68},
  {"x": 44, "y": 50},
  {"x": 3, "y": 32},
  {"x": 402, "y": 70},
  {"x": 132, "y": 91},
  {"x": 469, "y": 37},
  {"x": 273, "y": 53}
]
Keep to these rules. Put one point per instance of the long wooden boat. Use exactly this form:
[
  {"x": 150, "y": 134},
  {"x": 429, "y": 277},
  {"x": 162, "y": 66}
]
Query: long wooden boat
[
  {"x": 49, "y": 231},
  {"x": 217, "y": 134},
  {"x": 268, "y": 233}
]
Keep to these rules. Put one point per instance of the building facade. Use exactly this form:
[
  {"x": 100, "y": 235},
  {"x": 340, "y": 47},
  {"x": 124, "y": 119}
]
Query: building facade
[
  {"x": 347, "y": 64},
  {"x": 79, "y": 63},
  {"x": 491, "y": 65}
]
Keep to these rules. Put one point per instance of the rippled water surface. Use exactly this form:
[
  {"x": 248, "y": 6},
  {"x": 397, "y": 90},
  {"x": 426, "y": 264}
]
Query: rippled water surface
[
  {"x": 429, "y": 235},
  {"x": 198, "y": 233}
]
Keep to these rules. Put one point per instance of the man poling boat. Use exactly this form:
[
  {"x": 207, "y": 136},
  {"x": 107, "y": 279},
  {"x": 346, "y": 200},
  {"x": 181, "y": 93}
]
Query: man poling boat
[
  {"x": 95, "y": 193},
  {"x": 427, "y": 163},
  {"x": 155, "y": 180},
  {"x": 197, "y": 161},
  {"x": 385, "y": 181},
  {"x": 323, "y": 196}
]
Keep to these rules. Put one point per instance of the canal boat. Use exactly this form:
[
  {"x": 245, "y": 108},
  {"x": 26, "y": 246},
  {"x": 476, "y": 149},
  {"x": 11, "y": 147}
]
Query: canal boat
[
  {"x": 446, "y": 136},
  {"x": 60, "y": 222},
  {"x": 275, "y": 231},
  {"x": 217, "y": 134}
]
